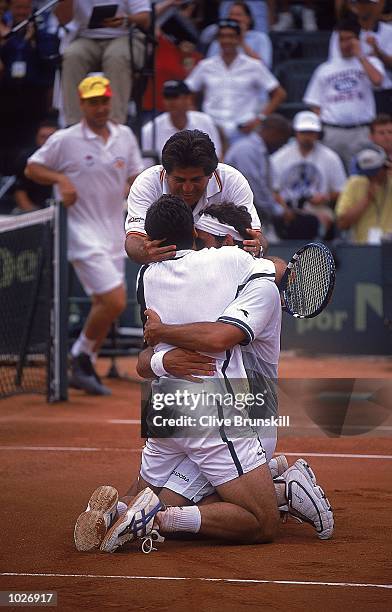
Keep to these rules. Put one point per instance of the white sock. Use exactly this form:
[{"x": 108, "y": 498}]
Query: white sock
[
  {"x": 121, "y": 507},
  {"x": 187, "y": 518},
  {"x": 82, "y": 345}
]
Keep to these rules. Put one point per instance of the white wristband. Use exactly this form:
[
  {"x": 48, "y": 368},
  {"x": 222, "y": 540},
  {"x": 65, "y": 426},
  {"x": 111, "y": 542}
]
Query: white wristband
[{"x": 156, "y": 364}]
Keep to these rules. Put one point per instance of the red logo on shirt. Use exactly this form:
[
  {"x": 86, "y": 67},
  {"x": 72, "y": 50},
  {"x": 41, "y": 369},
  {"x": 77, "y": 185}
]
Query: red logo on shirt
[{"x": 119, "y": 162}]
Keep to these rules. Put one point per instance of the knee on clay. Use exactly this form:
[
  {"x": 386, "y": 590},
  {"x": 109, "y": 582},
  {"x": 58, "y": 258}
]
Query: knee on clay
[{"x": 268, "y": 529}]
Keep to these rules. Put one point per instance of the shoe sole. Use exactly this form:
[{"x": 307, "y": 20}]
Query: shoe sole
[
  {"x": 112, "y": 539},
  {"x": 92, "y": 387},
  {"x": 91, "y": 527}
]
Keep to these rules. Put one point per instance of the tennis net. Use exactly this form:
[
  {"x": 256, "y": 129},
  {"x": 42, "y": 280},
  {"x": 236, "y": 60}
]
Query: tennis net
[{"x": 33, "y": 304}]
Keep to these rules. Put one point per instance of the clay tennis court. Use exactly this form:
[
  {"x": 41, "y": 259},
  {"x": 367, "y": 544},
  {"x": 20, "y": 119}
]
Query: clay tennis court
[{"x": 53, "y": 456}]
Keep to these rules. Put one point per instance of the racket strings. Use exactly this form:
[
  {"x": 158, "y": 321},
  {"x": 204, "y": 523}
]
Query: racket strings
[{"x": 309, "y": 282}]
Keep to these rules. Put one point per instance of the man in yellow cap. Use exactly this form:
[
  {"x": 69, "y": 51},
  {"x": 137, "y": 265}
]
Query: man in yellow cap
[{"x": 92, "y": 164}]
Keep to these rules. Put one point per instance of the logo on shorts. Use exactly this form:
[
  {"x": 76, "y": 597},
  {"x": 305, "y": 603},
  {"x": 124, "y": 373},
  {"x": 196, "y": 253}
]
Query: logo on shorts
[
  {"x": 246, "y": 313},
  {"x": 182, "y": 476},
  {"x": 135, "y": 219}
]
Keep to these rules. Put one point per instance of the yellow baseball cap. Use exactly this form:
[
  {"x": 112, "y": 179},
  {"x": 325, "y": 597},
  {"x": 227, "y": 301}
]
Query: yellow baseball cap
[{"x": 94, "y": 87}]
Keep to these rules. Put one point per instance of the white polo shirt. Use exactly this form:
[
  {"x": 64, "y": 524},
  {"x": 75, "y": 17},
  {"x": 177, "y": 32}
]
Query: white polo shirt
[
  {"x": 164, "y": 128},
  {"x": 231, "y": 93},
  {"x": 99, "y": 172},
  {"x": 296, "y": 176},
  {"x": 383, "y": 36},
  {"x": 343, "y": 91},
  {"x": 200, "y": 286},
  {"x": 225, "y": 185},
  {"x": 82, "y": 13}
]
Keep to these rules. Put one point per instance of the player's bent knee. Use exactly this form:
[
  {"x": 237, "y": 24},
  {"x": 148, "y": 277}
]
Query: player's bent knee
[{"x": 267, "y": 532}]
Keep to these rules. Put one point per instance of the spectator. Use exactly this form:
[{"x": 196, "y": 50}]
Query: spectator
[
  {"x": 232, "y": 84},
  {"x": 381, "y": 133},
  {"x": 29, "y": 195},
  {"x": 259, "y": 11},
  {"x": 92, "y": 165},
  {"x": 251, "y": 156},
  {"x": 308, "y": 177},
  {"x": 26, "y": 79},
  {"x": 176, "y": 98},
  {"x": 285, "y": 17},
  {"x": 376, "y": 40},
  {"x": 364, "y": 206},
  {"x": 103, "y": 48},
  {"x": 253, "y": 43},
  {"x": 341, "y": 91}
]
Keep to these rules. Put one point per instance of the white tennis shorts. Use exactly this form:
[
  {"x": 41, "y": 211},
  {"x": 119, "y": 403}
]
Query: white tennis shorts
[
  {"x": 100, "y": 273},
  {"x": 218, "y": 461}
]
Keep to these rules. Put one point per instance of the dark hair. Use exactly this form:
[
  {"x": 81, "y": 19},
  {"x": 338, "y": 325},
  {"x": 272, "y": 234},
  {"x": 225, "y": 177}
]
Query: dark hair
[
  {"x": 237, "y": 216},
  {"x": 381, "y": 119},
  {"x": 247, "y": 10},
  {"x": 349, "y": 23},
  {"x": 275, "y": 121},
  {"x": 48, "y": 123},
  {"x": 170, "y": 218},
  {"x": 189, "y": 149}
]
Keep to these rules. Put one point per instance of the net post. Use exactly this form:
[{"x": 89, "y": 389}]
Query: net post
[{"x": 58, "y": 390}]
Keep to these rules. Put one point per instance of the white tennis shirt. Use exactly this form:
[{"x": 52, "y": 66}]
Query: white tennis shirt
[
  {"x": 225, "y": 185},
  {"x": 99, "y": 172},
  {"x": 199, "y": 286}
]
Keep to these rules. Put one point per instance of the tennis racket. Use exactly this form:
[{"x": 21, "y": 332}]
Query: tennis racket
[{"x": 309, "y": 280}]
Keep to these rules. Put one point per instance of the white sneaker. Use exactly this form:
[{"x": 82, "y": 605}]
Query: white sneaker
[
  {"x": 285, "y": 22},
  {"x": 136, "y": 522},
  {"x": 309, "y": 23},
  {"x": 306, "y": 500},
  {"x": 278, "y": 465},
  {"x": 91, "y": 526}
]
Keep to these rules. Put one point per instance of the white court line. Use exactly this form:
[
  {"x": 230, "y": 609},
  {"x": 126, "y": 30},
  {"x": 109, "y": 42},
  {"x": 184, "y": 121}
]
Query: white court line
[
  {"x": 235, "y": 580},
  {"x": 125, "y": 421},
  {"x": 87, "y": 449},
  {"x": 70, "y": 449},
  {"x": 336, "y": 455}
]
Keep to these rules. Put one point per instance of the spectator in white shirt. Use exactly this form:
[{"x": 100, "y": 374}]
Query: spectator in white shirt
[
  {"x": 376, "y": 40},
  {"x": 232, "y": 84},
  {"x": 341, "y": 91},
  {"x": 177, "y": 101},
  {"x": 307, "y": 179}
]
